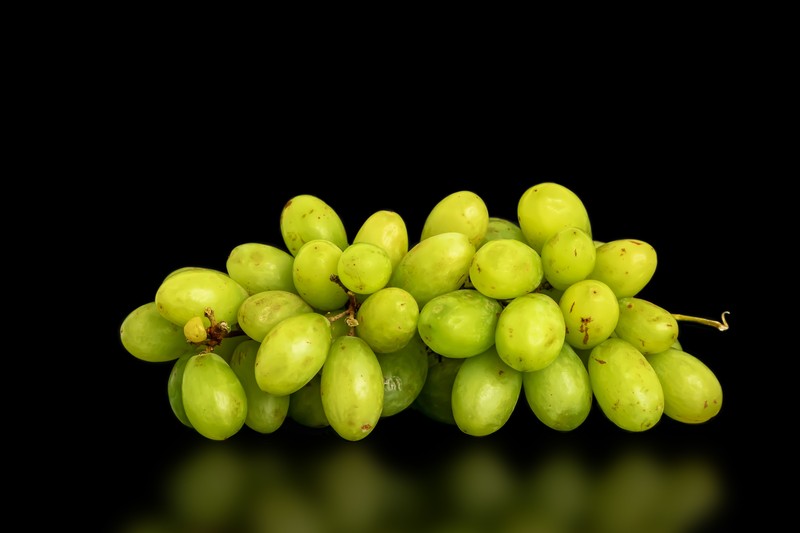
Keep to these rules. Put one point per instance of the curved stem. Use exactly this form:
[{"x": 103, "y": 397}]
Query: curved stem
[{"x": 721, "y": 326}]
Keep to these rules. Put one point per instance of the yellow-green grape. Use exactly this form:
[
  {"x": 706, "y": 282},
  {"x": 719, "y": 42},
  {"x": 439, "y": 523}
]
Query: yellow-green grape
[
  {"x": 434, "y": 266},
  {"x": 485, "y": 393},
  {"x": 530, "y": 332},
  {"x": 647, "y": 326},
  {"x": 560, "y": 394},
  {"x": 195, "y": 329},
  {"x": 463, "y": 212},
  {"x": 505, "y": 268},
  {"x": 591, "y": 311},
  {"x": 625, "y": 385},
  {"x": 435, "y": 400},
  {"x": 567, "y": 257},
  {"x": 305, "y": 218},
  {"x": 261, "y": 267},
  {"x": 265, "y": 412},
  {"x": 364, "y": 268},
  {"x": 388, "y": 230},
  {"x": 262, "y": 311},
  {"x": 174, "y": 386},
  {"x": 387, "y": 319},
  {"x": 404, "y": 374},
  {"x": 548, "y": 207},
  {"x": 351, "y": 388},
  {"x": 305, "y": 405},
  {"x": 314, "y": 264},
  {"x": 225, "y": 348},
  {"x": 189, "y": 293},
  {"x": 502, "y": 228},
  {"x": 213, "y": 397},
  {"x": 625, "y": 265},
  {"x": 692, "y": 392},
  {"x": 184, "y": 269},
  {"x": 148, "y": 336},
  {"x": 292, "y": 353},
  {"x": 459, "y": 323}
]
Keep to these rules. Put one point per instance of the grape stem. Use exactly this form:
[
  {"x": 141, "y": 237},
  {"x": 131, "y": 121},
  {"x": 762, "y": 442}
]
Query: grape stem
[
  {"x": 216, "y": 331},
  {"x": 721, "y": 326},
  {"x": 350, "y": 312}
]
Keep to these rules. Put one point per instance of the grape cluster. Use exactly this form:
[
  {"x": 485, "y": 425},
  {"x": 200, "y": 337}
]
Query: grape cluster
[{"x": 479, "y": 313}]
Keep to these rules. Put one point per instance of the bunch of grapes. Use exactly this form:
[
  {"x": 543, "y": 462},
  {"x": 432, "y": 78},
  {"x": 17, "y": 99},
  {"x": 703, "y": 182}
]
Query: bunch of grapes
[{"x": 478, "y": 314}]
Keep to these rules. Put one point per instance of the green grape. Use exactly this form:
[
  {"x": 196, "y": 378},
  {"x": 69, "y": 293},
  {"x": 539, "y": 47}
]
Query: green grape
[
  {"x": 462, "y": 212},
  {"x": 567, "y": 257},
  {"x": 292, "y": 353},
  {"x": 213, "y": 398},
  {"x": 548, "y": 207},
  {"x": 625, "y": 265},
  {"x": 388, "y": 230},
  {"x": 647, "y": 326},
  {"x": 314, "y": 264},
  {"x": 485, "y": 393},
  {"x": 560, "y": 394},
  {"x": 261, "y": 267},
  {"x": 364, "y": 268},
  {"x": 387, "y": 319},
  {"x": 502, "y": 228},
  {"x": 435, "y": 400},
  {"x": 625, "y": 385},
  {"x": 459, "y": 323},
  {"x": 189, "y": 293},
  {"x": 195, "y": 329},
  {"x": 692, "y": 392},
  {"x": 262, "y": 311},
  {"x": 591, "y": 311},
  {"x": 148, "y": 336},
  {"x": 530, "y": 332},
  {"x": 174, "y": 386},
  {"x": 404, "y": 374},
  {"x": 305, "y": 405},
  {"x": 265, "y": 412},
  {"x": 434, "y": 266},
  {"x": 305, "y": 218},
  {"x": 351, "y": 388},
  {"x": 225, "y": 348},
  {"x": 505, "y": 269}
]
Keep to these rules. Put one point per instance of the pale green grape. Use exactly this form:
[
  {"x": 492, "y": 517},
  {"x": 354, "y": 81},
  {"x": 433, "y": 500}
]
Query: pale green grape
[
  {"x": 434, "y": 266},
  {"x": 148, "y": 336},
  {"x": 459, "y": 323},
  {"x": 435, "y": 400},
  {"x": 647, "y": 326},
  {"x": 502, "y": 228},
  {"x": 292, "y": 353},
  {"x": 485, "y": 393},
  {"x": 625, "y": 385},
  {"x": 195, "y": 329},
  {"x": 387, "y": 319},
  {"x": 265, "y": 412},
  {"x": 404, "y": 374},
  {"x": 261, "y": 267},
  {"x": 314, "y": 264},
  {"x": 305, "y": 405},
  {"x": 388, "y": 230},
  {"x": 505, "y": 268},
  {"x": 692, "y": 392},
  {"x": 305, "y": 218},
  {"x": 463, "y": 212},
  {"x": 567, "y": 257},
  {"x": 364, "y": 267},
  {"x": 189, "y": 293},
  {"x": 213, "y": 398},
  {"x": 530, "y": 332},
  {"x": 548, "y": 207},
  {"x": 262, "y": 311},
  {"x": 174, "y": 386},
  {"x": 560, "y": 394},
  {"x": 591, "y": 311},
  {"x": 352, "y": 388},
  {"x": 625, "y": 265}
]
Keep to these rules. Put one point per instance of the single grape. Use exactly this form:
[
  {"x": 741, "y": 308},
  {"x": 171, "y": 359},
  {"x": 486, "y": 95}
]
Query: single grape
[
  {"x": 387, "y": 319},
  {"x": 505, "y": 268},
  {"x": 462, "y": 212},
  {"x": 568, "y": 256},
  {"x": 265, "y": 412},
  {"x": 364, "y": 268},
  {"x": 530, "y": 332},
  {"x": 404, "y": 373},
  {"x": 174, "y": 386},
  {"x": 625, "y": 385},
  {"x": 625, "y": 265},
  {"x": 435, "y": 400},
  {"x": 306, "y": 218},
  {"x": 459, "y": 323},
  {"x": 502, "y": 228},
  {"x": 388, "y": 230},
  {"x": 213, "y": 398},
  {"x": 314, "y": 265},
  {"x": 262, "y": 311},
  {"x": 548, "y": 207},
  {"x": 647, "y": 326},
  {"x": 261, "y": 267},
  {"x": 305, "y": 405},
  {"x": 148, "y": 336},
  {"x": 692, "y": 392},
  {"x": 189, "y": 293},
  {"x": 591, "y": 311},
  {"x": 195, "y": 329}
]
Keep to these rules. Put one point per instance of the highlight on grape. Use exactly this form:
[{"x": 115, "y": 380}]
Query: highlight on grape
[{"x": 462, "y": 324}]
